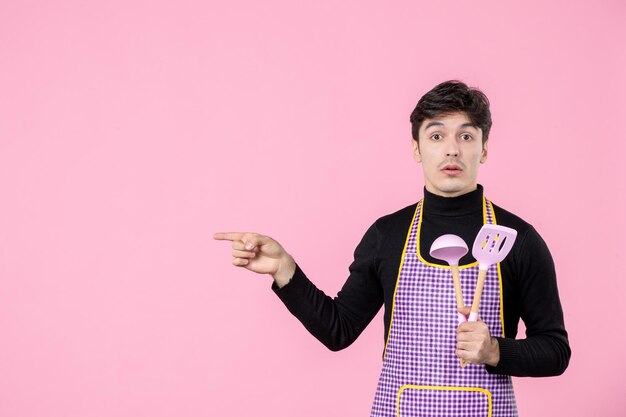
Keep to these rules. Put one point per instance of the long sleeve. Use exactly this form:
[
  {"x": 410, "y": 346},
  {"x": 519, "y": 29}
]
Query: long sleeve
[
  {"x": 545, "y": 351},
  {"x": 528, "y": 283},
  {"x": 338, "y": 321}
]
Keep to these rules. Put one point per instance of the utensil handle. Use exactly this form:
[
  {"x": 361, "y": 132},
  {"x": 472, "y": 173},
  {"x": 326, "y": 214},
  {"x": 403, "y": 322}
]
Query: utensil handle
[
  {"x": 457, "y": 288},
  {"x": 478, "y": 292},
  {"x": 462, "y": 319},
  {"x": 458, "y": 291},
  {"x": 459, "y": 300}
]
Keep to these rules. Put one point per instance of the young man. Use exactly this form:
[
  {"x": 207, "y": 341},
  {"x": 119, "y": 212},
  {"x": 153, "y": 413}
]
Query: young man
[{"x": 421, "y": 375}]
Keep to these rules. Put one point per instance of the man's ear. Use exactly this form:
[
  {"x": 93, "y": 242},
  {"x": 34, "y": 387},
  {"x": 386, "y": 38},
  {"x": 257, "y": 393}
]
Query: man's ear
[
  {"x": 416, "y": 151},
  {"x": 483, "y": 158}
]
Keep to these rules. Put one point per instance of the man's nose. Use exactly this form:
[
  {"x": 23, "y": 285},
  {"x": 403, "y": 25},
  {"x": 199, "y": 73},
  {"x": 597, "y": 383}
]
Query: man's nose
[{"x": 452, "y": 148}]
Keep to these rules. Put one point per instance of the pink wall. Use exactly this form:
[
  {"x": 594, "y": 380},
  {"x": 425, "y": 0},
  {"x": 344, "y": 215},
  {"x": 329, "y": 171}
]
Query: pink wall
[{"x": 131, "y": 131}]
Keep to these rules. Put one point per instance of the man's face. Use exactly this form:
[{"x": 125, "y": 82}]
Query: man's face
[{"x": 450, "y": 151}]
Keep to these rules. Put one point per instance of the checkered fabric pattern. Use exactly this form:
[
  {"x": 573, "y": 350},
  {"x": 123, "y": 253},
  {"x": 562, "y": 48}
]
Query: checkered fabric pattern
[{"x": 421, "y": 375}]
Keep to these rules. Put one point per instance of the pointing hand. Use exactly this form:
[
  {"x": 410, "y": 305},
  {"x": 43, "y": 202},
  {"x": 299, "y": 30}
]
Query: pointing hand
[{"x": 260, "y": 254}]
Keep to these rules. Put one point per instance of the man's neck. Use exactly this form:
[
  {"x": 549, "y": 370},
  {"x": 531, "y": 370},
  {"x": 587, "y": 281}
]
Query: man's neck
[{"x": 466, "y": 203}]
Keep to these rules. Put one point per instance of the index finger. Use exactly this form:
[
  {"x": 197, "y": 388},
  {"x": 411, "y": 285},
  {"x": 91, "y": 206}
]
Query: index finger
[{"x": 228, "y": 236}]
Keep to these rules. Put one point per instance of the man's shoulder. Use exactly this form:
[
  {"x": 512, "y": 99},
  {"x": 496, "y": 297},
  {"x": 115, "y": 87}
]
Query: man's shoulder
[
  {"x": 398, "y": 219},
  {"x": 508, "y": 219}
]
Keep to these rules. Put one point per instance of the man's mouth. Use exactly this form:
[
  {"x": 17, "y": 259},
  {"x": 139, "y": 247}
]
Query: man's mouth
[{"x": 451, "y": 169}]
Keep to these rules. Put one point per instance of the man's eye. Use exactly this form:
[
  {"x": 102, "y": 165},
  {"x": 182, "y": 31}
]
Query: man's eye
[
  {"x": 466, "y": 137},
  {"x": 436, "y": 136}
]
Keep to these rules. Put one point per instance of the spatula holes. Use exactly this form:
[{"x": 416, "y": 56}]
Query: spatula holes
[
  {"x": 502, "y": 244},
  {"x": 482, "y": 247}
]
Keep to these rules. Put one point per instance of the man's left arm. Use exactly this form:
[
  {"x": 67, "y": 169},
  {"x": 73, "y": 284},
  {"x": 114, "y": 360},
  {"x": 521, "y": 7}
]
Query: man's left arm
[{"x": 545, "y": 351}]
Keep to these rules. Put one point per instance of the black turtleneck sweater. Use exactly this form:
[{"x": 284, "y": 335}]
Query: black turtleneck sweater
[{"x": 528, "y": 284}]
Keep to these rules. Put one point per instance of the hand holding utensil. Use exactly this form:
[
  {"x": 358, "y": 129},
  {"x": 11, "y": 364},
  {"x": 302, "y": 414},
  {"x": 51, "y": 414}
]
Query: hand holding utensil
[{"x": 492, "y": 244}]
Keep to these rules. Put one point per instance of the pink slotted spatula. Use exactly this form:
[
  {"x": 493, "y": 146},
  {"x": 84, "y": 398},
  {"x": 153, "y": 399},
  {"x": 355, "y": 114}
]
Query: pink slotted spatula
[{"x": 492, "y": 244}]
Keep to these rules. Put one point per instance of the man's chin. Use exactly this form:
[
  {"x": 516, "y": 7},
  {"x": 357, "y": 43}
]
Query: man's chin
[{"x": 451, "y": 190}]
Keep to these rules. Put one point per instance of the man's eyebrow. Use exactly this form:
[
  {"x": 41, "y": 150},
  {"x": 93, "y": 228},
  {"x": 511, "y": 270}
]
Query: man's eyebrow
[
  {"x": 431, "y": 124},
  {"x": 474, "y": 125},
  {"x": 464, "y": 125}
]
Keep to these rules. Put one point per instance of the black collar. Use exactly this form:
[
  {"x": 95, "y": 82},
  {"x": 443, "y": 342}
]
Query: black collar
[{"x": 467, "y": 203}]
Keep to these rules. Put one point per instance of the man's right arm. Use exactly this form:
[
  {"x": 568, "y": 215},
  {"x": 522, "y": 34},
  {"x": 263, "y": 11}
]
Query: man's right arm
[{"x": 338, "y": 321}]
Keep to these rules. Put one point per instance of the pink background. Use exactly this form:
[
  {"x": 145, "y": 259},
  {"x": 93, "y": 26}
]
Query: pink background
[{"x": 130, "y": 132}]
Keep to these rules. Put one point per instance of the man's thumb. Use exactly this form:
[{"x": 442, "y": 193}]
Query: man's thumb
[
  {"x": 253, "y": 240},
  {"x": 465, "y": 310}
]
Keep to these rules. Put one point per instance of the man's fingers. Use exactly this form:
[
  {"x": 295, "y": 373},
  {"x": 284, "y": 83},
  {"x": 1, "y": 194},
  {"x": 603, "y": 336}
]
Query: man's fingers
[
  {"x": 238, "y": 245},
  {"x": 253, "y": 240},
  {"x": 470, "y": 326},
  {"x": 465, "y": 346},
  {"x": 466, "y": 355},
  {"x": 240, "y": 262},
  {"x": 228, "y": 236},
  {"x": 243, "y": 254},
  {"x": 462, "y": 336},
  {"x": 249, "y": 240},
  {"x": 464, "y": 327},
  {"x": 465, "y": 310}
]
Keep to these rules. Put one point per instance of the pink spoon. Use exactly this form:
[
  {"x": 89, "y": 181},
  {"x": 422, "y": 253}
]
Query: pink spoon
[{"x": 451, "y": 248}]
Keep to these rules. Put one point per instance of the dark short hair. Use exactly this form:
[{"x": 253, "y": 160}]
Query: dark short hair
[{"x": 451, "y": 97}]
